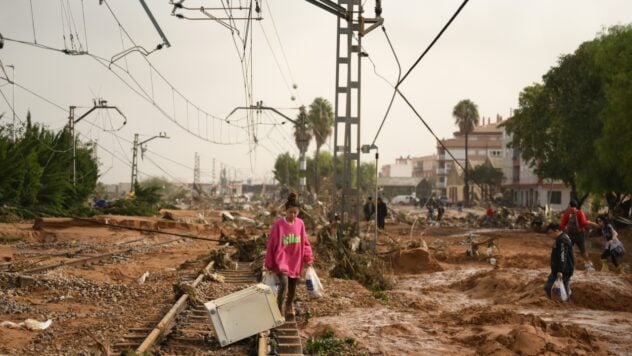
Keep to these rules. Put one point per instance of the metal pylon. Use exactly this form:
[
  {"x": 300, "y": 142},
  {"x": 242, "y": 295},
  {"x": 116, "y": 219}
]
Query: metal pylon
[{"x": 346, "y": 195}]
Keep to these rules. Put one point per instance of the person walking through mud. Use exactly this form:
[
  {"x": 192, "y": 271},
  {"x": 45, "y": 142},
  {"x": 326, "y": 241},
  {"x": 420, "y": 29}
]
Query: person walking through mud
[
  {"x": 562, "y": 259},
  {"x": 613, "y": 248},
  {"x": 381, "y": 213},
  {"x": 574, "y": 224},
  {"x": 369, "y": 209},
  {"x": 288, "y": 249},
  {"x": 440, "y": 211}
]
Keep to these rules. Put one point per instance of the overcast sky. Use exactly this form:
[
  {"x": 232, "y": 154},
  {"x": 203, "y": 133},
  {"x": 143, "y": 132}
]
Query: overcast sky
[{"x": 490, "y": 53}]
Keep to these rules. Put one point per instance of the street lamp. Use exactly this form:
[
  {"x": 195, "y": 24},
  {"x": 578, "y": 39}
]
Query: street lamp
[{"x": 367, "y": 149}]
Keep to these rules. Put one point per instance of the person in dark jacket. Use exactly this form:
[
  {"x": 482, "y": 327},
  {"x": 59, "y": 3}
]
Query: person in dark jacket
[
  {"x": 369, "y": 209},
  {"x": 562, "y": 258},
  {"x": 575, "y": 225},
  {"x": 613, "y": 248},
  {"x": 381, "y": 213}
]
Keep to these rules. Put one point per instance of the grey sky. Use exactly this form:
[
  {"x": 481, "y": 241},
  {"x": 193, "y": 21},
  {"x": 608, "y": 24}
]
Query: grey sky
[{"x": 493, "y": 50}]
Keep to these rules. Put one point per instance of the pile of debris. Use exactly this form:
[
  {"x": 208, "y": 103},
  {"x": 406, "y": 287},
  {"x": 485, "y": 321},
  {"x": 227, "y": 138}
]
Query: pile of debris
[
  {"x": 504, "y": 218},
  {"x": 366, "y": 267}
]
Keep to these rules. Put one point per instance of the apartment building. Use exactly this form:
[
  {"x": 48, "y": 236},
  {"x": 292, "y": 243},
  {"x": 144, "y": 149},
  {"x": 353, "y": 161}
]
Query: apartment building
[{"x": 485, "y": 144}]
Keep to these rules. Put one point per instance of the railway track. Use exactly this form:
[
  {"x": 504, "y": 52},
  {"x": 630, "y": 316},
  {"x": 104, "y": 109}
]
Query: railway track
[
  {"x": 88, "y": 260},
  {"x": 152, "y": 328},
  {"x": 187, "y": 329},
  {"x": 193, "y": 329}
]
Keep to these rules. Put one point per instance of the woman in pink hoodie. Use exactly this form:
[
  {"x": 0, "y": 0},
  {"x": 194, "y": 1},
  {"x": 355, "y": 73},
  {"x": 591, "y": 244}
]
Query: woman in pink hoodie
[{"x": 288, "y": 249}]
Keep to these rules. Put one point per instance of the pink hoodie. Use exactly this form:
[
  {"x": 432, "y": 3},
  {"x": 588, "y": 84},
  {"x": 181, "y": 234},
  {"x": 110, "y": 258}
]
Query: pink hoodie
[{"x": 288, "y": 248}]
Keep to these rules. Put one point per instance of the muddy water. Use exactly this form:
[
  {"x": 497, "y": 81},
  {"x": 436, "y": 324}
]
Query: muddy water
[
  {"x": 424, "y": 313},
  {"x": 389, "y": 330}
]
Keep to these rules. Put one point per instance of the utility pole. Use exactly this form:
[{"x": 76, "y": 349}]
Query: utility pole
[
  {"x": 213, "y": 171},
  {"x": 351, "y": 29},
  {"x": 302, "y": 164},
  {"x": 196, "y": 174},
  {"x": 367, "y": 149},
  {"x": 100, "y": 104},
  {"x": 135, "y": 146},
  {"x": 134, "y": 179},
  {"x": 300, "y": 124}
]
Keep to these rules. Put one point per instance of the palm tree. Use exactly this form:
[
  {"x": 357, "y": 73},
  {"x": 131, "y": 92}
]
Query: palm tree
[
  {"x": 465, "y": 115},
  {"x": 302, "y": 137},
  {"x": 302, "y": 130},
  {"x": 321, "y": 117}
]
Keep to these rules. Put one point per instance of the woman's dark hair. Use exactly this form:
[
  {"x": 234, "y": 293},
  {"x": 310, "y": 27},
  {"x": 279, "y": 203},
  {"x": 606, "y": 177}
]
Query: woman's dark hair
[
  {"x": 573, "y": 203},
  {"x": 292, "y": 201},
  {"x": 603, "y": 218}
]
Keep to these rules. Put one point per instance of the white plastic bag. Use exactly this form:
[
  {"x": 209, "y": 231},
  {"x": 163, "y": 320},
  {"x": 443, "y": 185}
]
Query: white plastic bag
[
  {"x": 558, "y": 291},
  {"x": 314, "y": 287},
  {"x": 271, "y": 280}
]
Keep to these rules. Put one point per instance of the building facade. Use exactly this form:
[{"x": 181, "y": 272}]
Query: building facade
[
  {"x": 525, "y": 188},
  {"x": 484, "y": 143}
]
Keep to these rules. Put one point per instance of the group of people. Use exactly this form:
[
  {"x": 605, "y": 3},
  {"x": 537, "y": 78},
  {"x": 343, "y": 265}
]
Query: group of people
[
  {"x": 369, "y": 210},
  {"x": 289, "y": 249},
  {"x": 571, "y": 231},
  {"x": 433, "y": 205}
]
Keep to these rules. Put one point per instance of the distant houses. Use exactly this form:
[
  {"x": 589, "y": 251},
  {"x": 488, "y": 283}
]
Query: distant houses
[{"x": 487, "y": 145}]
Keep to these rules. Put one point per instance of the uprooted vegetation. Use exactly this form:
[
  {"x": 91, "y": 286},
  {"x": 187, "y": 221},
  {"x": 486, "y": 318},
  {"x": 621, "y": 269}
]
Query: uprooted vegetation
[{"x": 367, "y": 268}]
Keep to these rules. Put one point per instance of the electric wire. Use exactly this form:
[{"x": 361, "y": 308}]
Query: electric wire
[
  {"x": 287, "y": 64},
  {"x": 85, "y": 30},
  {"x": 33, "y": 21},
  {"x": 276, "y": 61},
  {"x": 423, "y": 54},
  {"x": 146, "y": 95},
  {"x": 63, "y": 23},
  {"x": 399, "y": 74},
  {"x": 164, "y": 170},
  {"x": 12, "y": 108}
]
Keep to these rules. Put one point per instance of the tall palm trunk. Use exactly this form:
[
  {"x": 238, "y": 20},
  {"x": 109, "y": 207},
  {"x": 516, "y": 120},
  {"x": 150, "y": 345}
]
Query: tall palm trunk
[
  {"x": 466, "y": 189},
  {"x": 317, "y": 177}
]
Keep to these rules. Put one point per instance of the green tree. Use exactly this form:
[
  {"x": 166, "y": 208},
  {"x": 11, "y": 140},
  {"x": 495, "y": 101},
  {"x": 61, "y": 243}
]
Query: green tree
[
  {"x": 573, "y": 126},
  {"x": 367, "y": 179},
  {"x": 321, "y": 117},
  {"x": 488, "y": 178},
  {"x": 614, "y": 58},
  {"x": 466, "y": 117},
  {"x": 35, "y": 174},
  {"x": 325, "y": 169},
  {"x": 169, "y": 192},
  {"x": 302, "y": 130},
  {"x": 286, "y": 170}
]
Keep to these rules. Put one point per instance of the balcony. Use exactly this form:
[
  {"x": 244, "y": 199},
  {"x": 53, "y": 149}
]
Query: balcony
[
  {"x": 441, "y": 185},
  {"x": 441, "y": 171}
]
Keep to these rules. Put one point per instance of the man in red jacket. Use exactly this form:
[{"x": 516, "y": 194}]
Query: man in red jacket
[{"x": 574, "y": 224}]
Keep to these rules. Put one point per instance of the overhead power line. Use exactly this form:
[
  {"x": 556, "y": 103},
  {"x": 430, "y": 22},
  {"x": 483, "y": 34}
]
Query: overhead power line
[{"x": 423, "y": 54}]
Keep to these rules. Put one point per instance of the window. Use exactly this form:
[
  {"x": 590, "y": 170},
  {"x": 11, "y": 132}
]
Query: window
[{"x": 554, "y": 197}]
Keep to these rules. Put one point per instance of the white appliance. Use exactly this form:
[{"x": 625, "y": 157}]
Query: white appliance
[{"x": 244, "y": 313}]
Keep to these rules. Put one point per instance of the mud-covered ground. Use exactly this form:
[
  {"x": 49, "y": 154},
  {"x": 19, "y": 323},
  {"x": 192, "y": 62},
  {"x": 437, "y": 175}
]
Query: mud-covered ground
[{"x": 443, "y": 301}]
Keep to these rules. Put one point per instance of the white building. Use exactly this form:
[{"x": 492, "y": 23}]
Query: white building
[{"x": 526, "y": 189}]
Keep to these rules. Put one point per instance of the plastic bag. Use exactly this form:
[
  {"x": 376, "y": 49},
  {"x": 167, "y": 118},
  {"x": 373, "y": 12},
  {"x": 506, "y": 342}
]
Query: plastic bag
[
  {"x": 558, "y": 291},
  {"x": 271, "y": 280},
  {"x": 616, "y": 247},
  {"x": 30, "y": 324},
  {"x": 314, "y": 287}
]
